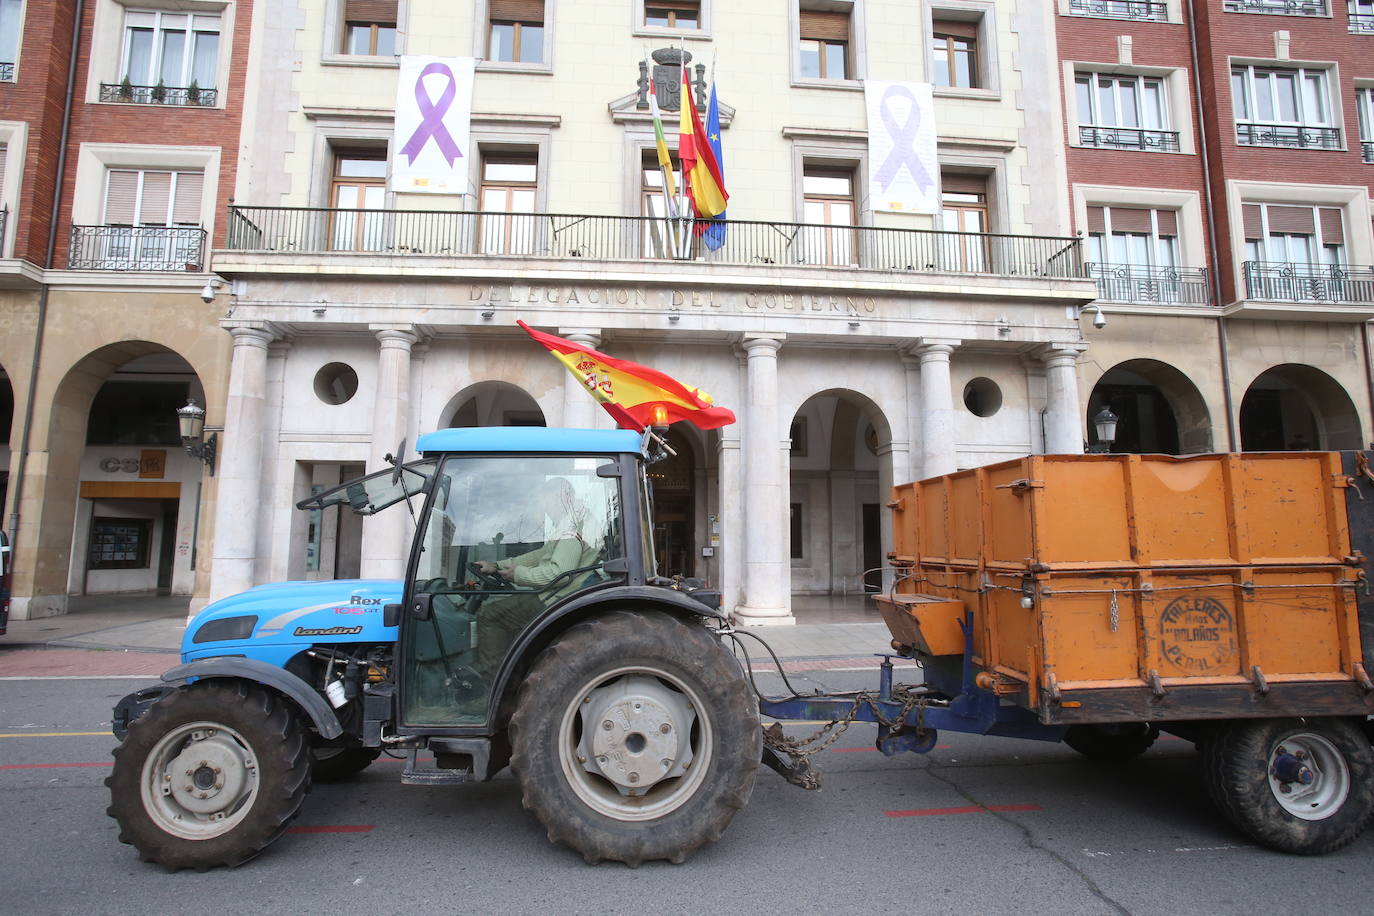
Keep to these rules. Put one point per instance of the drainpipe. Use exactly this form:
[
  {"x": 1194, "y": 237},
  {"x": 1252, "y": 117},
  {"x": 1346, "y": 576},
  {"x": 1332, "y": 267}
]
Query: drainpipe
[
  {"x": 1214, "y": 257},
  {"x": 47, "y": 266}
]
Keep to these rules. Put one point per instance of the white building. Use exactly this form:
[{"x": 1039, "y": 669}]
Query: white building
[{"x": 853, "y": 357}]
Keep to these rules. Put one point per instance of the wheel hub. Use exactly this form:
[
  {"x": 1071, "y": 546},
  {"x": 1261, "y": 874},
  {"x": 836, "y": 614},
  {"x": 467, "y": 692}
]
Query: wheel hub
[
  {"x": 1308, "y": 776},
  {"x": 636, "y": 733},
  {"x": 199, "y": 780}
]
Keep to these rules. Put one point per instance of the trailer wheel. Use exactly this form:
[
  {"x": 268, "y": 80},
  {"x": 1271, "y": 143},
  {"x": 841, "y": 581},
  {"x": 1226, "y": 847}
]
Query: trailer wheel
[
  {"x": 635, "y": 737},
  {"x": 1114, "y": 743},
  {"x": 335, "y": 764},
  {"x": 209, "y": 776},
  {"x": 1297, "y": 785}
]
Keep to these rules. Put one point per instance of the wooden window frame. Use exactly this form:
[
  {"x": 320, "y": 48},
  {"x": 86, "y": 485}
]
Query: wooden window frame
[
  {"x": 673, "y": 8},
  {"x": 950, "y": 57}
]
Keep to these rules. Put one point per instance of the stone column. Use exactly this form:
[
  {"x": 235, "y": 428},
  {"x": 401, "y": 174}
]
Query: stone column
[
  {"x": 276, "y": 533},
  {"x": 580, "y": 410},
  {"x": 238, "y": 464},
  {"x": 910, "y": 469},
  {"x": 765, "y": 506},
  {"x": 1063, "y": 423},
  {"x": 386, "y": 541},
  {"x": 937, "y": 407}
]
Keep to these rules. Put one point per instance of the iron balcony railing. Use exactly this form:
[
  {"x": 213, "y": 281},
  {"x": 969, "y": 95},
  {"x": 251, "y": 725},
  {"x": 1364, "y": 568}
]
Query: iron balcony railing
[
  {"x": 136, "y": 248},
  {"x": 1367, "y": 150},
  {"x": 1298, "y": 282},
  {"x": 556, "y": 235},
  {"x": 6, "y": 72},
  {"x": 1277, "y": 7},
  {"x": 185, "y": 97},
  {"x": 1149, "y": 10},
  {"x": 1139, "y": 283},
  {"x": 1360, "y": 23},
  {"x": 1288, "y": 135},
  {"x": 1159, "y": 141}
]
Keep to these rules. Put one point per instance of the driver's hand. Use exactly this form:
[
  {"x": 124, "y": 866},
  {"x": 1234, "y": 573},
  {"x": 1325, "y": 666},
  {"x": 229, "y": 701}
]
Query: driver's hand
[{"x": 486, "y": 566}]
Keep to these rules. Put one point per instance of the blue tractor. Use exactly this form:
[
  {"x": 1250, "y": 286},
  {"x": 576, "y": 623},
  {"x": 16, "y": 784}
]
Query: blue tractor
[{"x": 530, "y": 630}]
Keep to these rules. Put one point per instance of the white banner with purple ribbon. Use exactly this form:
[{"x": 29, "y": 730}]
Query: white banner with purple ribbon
[
  {"x": 433, "y": 114},
  {"x": 903, "y": 172}
]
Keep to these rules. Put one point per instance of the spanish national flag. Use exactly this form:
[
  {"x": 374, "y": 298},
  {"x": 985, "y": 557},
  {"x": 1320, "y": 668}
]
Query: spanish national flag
[
  {"x": 699, "y": 167},
  {"x": 634, "y": 395}
]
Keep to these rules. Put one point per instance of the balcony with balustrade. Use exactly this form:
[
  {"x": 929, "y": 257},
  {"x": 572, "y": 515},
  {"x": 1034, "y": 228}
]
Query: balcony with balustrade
[
  {"x": 1276, "y": 7},
  {"x": 257, "y": 233},
  {"x": 137, "y": 248},
  {"x": 1133, "y": 138},
  {"x": 1145, "y": 285},
  {"x": 1288, "y": 136},
  {"x": 174, "y": 96},
  {"x": 1139, "y": 10},
  {"x": 1272, "y": 286}
]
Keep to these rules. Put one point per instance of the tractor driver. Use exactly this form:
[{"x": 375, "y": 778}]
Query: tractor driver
[{"x": 502, "y": 617}]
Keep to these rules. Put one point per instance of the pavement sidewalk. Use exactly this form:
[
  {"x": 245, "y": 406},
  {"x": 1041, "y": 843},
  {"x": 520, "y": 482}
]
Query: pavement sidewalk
[{"x": 141, "y": 634}]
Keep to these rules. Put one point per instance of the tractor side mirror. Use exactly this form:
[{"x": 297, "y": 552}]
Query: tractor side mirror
[{"x": 420, "y": 607}]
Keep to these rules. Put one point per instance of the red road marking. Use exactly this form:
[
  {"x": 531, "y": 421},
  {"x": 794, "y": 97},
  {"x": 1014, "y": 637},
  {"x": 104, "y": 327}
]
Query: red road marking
[
  {"x": 969, "y": 809},
  {"x": 333, "y": 828},
  {"x": 46, "y": 766}
]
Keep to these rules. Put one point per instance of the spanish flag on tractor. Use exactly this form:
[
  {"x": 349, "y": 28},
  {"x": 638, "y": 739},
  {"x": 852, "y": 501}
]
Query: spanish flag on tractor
[
  {"x": 634, "y": 395},
  {"x": 699, "y": 167}
]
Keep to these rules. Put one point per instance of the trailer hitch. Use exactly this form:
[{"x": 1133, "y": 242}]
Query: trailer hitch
[{"x": 796, "y": 770}]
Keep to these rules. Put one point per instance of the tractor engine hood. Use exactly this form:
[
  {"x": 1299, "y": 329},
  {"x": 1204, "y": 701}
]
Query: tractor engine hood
[{"x": 262, "y": 621}]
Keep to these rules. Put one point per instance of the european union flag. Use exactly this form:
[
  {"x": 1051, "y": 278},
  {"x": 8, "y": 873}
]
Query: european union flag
[{"x": 714, "y": 236}]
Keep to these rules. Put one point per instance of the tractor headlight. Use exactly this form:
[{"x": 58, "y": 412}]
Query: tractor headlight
[{"x": 226, "y": 628}]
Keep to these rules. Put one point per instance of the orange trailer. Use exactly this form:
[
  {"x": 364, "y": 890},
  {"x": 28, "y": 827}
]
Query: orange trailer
[{"x": 1220, "y": 597}]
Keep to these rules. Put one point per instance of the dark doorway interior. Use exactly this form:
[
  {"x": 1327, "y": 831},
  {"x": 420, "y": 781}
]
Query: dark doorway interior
[
  {"x": 672, "y": 482},
  {"x": 873, "y": 548},
  {"x": 1145, "y": 424}
]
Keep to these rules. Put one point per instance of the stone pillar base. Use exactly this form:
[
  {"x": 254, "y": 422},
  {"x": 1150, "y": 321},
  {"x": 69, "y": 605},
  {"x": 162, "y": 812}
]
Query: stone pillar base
[
  {"x": 37, "y": 607},
  {"x": 745, "y": 616}
]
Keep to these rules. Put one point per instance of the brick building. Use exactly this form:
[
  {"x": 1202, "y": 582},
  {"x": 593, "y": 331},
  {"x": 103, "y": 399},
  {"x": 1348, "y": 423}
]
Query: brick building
[
  {"x": 1219, "y": 168},
  {"x": 119, "y": 128}
]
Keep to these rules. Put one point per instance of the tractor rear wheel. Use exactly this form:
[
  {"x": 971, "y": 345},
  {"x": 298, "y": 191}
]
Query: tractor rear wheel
[
  {"x": 635, "y": 737},
  {"x": 209, "y": 776}
]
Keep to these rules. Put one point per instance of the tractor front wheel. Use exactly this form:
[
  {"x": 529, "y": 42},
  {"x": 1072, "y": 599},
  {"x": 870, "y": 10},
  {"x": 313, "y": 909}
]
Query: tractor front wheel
[
  {"x": 209, "y": 776},
  {"x": 635, "y": 737}
]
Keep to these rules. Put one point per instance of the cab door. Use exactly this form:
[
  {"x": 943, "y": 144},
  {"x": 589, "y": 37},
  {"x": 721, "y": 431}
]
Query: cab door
[{"x": 504, "y": 541}]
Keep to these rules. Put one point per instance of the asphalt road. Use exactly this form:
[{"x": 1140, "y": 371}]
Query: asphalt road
[{"x": 980, "y": 824}]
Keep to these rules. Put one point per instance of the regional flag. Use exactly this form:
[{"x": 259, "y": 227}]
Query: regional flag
[
  {"x": 713, "y": 236},
  {"x": 634, "y": 395},
  {"x": 700, "y": 170}
]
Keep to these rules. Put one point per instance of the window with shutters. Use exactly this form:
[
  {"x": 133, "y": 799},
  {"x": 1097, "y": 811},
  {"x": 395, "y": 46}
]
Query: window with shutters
[
  {"x": 167, "y": 58},
  {"x": 1364, "y": 106},
  {"x": 369, "y": 28},
  {"x": 358, "y": 183},
  {"x": 510, "y": 183},
  {"x": 964, "y": 214},
  {"x": 1133, "y": 252},
  {"x": 829, "y": 209},
  {"x": 151, "y": 220},
  {"x": 515, "y": 31},
  {"x": 1294, "y": 252},
  {"x": 11, "y": 19},
  {"x": 678, "y": 15},
  {"x": 954, "y": 54},
  {"x": 825, "y": 44},
  {"x": 1283, "y": 107}
]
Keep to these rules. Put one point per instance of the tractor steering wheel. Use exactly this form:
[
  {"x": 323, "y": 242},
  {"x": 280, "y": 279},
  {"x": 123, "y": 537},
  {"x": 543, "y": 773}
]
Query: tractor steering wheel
[{"x": 490, "y": 581}]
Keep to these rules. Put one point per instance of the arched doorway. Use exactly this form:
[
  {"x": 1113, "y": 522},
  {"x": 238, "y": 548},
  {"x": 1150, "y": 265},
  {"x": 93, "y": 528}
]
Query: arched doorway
[
  {"x": 1295, "y": 407},
  {"x": 838, "y": 443},
  {"x": 1159, "y": 409},
  {"x": 134, "y": 527},
  {"x": 492, "y": 403}
]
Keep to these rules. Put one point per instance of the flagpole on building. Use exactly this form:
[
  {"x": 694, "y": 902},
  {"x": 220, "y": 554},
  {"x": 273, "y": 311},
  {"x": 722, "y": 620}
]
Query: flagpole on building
[
  {"x": 665, "y": 166},
  {"x": 685, "y": 211}
]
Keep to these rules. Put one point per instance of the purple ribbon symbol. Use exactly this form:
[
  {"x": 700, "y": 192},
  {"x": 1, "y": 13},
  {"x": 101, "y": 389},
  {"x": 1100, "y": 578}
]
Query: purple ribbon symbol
[
  {"x": 432, "y": 117},
  {"x": 903, "y": 141}
]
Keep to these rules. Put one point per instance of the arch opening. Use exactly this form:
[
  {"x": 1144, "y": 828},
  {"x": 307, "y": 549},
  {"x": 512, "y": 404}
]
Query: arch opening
[
  {"x": 1159, "y": 409},
  {"x": 1297, "y": 407},
  {"x": 492, "y": 403}
]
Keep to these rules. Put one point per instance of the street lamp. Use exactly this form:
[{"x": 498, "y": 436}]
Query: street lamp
[
  {"x": 1104, "y": 424},
  {"x": 191, "y": 419}
]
